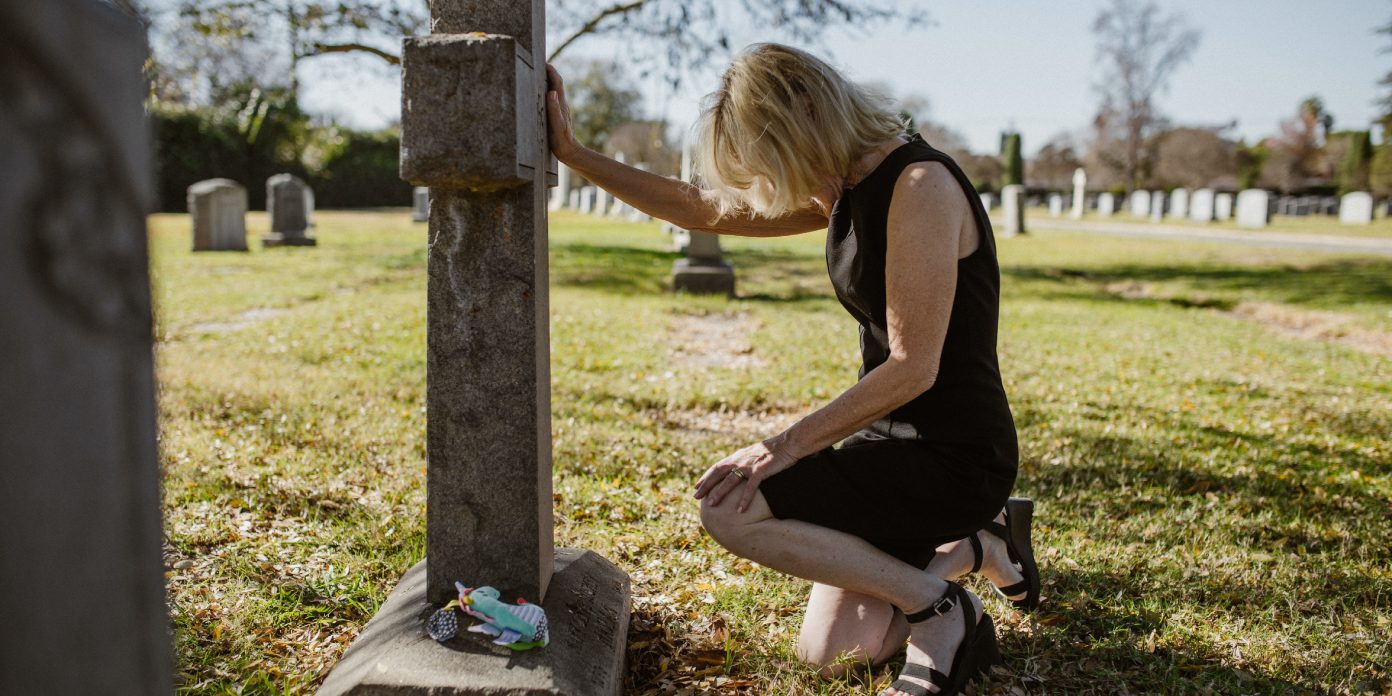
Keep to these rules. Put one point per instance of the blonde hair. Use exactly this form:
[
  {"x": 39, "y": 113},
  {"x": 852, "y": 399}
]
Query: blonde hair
[{"x": 781, "y": 121}]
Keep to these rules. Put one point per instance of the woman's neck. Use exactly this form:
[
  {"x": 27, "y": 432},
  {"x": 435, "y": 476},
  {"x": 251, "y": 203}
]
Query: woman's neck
[{"x": 872, "y": 158}]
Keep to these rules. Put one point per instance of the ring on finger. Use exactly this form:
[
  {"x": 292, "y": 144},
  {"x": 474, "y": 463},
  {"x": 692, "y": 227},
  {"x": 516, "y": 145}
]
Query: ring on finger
[{"x": 739, "y": 473}]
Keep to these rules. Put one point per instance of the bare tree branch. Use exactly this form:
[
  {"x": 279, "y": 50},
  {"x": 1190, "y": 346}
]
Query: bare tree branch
[
  {"x": 319, "y": 49},
  {"x": 593, "y": 23}
]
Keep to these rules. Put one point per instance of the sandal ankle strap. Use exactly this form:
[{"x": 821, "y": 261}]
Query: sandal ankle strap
[{"x": 946, "y": 603}]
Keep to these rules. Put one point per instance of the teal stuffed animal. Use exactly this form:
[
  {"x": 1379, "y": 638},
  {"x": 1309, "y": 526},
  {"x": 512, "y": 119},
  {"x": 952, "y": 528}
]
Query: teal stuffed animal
[{"x": 520, "y": 626}]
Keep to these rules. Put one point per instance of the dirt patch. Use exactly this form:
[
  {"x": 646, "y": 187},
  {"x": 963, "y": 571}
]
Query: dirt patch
[
  {"x": 744, "y": 425},
  {"x": 714, "y": 340},
  {"x": 1333, "y": 327},
  {"x": 1291, "y": 322},
  {"x": 241, "y": 321}
]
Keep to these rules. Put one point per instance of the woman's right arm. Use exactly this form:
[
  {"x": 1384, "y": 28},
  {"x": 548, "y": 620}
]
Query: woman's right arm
[{"x": 677, "y": 202}]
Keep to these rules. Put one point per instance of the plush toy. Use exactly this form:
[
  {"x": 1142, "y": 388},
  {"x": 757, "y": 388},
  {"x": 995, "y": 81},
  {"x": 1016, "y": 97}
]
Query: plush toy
[{"x": 520, "y": 626}]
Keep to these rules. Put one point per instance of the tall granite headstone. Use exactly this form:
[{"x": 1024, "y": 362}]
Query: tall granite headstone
[
  {"x": 1356, "y": 209},
  {"x": 82, "y": 597},
  {"x": 473, "y": 130},
  {"x": 1253, "y": 208},
  {"x": 1013, "y": 209},
  {"x": 287, "y": 204},
  {"x": 218, "y": 208}
]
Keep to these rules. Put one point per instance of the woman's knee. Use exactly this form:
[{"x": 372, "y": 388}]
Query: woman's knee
[{"x": 721, "y": 522}]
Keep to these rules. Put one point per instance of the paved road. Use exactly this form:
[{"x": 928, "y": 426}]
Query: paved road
[{"x": 1311, "y": 242}]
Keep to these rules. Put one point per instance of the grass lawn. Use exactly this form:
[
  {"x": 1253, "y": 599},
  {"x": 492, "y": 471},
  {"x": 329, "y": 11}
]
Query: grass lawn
[{"x": 1204, "y": 429}]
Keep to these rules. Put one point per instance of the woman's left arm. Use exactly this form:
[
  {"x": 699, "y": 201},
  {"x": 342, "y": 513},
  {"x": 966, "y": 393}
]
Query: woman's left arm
[{"x": 926, "y": 218}]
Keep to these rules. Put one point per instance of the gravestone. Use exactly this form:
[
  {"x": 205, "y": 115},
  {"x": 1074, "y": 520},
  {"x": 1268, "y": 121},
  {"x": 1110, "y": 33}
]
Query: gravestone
[
  {"x": 1106, "y": 204},
  {"x": 988, "y": 201},
  {"x": 82, "y": 591},
  {"x": 603, "y": 203},
  {"x": 1013, "y": 209},
  {"x": 1179, "y": 204},
  {"x": 1253, "y": 208},
  {"x": 1356, "y": 209},
  {"x": 587, "y": 200},
  {"x": 618, "y": 208},
  {"x": 1140, "y": 203},
  {"x": 1157, "y": 205},
  {"x": 560, "y": 196},
  {"x": 218, "y": 208},
  {"x": 1055, "y": 204},
  {"x": 473, "y": 130},
  {"x": 574, "y": 203},
  {"x": 420, "y": 204},
  {"x": 1285, "y": 205},
  {"x": 1201, "y": 206},
  {"x": 1079, "y": 193},
  {"x": 1222, "y": 207},
  {"x": 287, "y": 204},
  {"x": 703, "y": 269}
]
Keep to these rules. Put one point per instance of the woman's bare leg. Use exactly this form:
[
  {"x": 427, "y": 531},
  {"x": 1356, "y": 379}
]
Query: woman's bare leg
[
  {"x": 844, "y": 630},
  {"x": 831, "y": 557},
  {"x": 954, "y": 559}
]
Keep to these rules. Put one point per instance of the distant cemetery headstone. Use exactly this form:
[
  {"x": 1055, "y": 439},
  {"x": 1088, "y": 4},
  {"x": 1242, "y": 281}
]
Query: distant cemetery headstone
[
  {"x": 81, "y": 576},
  {"x": 1055, "y": 204},
  {"x": 1356, "y": 209},
  {"x": 1106, "y": 204},
  {"x": 420, "y": 204},
  {"x": 1140, "y": 203},
  {"x": 603, "y": 203},
  {"x": 702, "y": 269},
  {"x": 1013, "y": 208},
  {"x": 1179, "y": 204},
  {"x": 1201, "y": 206},
  {"x": 218, "y": 208},
  {"x": 1253, "y": 208},
  {"x": 988, "y": 201},
  {"x": 1079, "y": 192},
  {"x": 1157, "y": 205},
  {"x": 287, "y": 204},
  {"x": 587, "y": 200},
  {"x": 1222, "y": 206},
  {"x": 560, "y": 196}
]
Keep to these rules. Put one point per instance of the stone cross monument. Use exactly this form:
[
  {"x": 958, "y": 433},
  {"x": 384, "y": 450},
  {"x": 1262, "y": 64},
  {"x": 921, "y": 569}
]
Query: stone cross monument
[
  {"x": 81, "y": 584},
  {"x": 473, "y": 130}
]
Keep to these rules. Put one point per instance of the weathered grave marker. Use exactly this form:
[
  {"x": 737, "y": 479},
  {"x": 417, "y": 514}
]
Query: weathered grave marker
[
  {"x": 703, "y": 270},
  {"x": 1179, "y": 204},
  {"x": 218, "y": 208},
  {"x": 1157, "y": 205},
  {"x": 1055, "y": 204},
  {"x": 288, "y": 205},
  {"x": 1140, "y": 203},
  {"x": 473, "y": 131},
  {"x": 81, "y": 584},
  {"x": 1222, "y": 206},
  {"x": 988, "y": 201},
  {"x": 1106, "y": 204}
]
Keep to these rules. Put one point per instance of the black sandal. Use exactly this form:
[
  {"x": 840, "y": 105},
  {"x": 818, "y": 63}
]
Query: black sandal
[
  {"x": 977, "y": 652},
  {"x": 1019, "y": 515}
]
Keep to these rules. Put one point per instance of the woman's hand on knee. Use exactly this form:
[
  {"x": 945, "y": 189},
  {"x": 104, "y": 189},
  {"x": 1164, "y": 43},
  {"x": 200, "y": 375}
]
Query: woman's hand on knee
[{"x": 742, "y": 471}]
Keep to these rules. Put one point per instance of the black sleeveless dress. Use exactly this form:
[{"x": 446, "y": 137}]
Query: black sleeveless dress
[{"x": 942, "y": 465}]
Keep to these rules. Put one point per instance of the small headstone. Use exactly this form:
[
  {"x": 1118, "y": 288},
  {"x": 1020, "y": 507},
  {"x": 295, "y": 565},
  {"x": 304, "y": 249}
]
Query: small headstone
[
  {"x": 603, "y": 203},
  {"x": 1157, "y": 205},
  {"x": 1106, "y": 204},
  {"x": 1329, "y": 206},
  {"x": 1140, "y": 203},
  {"x": 1252, "y": 208},
  {"x": 1356, "y": 209},
  {"x": 1013, "y": 209},
  {"x": 1201, "y": 206},
  {"x": 286, "y": 201},
  {"x": 82, "y": 591},
  {"x": 988, "y": 201},
  {"x": 1179, "y": 204},
  {"x": 1079, "y": 192},
  {"x": 587, "y": 200},
  {"x": 560, "y": 195},
  {"x": 1055, "y": 204},
  {"x": 1222, "y": 206},
  {"x": 574, "y": 199},
  {"x": 1285, "y": 205},
  {"x": 420, "y": 204},
  {"x": 218, "y": 208}
]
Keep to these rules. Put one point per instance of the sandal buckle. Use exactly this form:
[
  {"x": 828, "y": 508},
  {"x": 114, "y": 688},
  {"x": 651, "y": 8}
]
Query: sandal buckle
[{"x": 944, "y": 605}]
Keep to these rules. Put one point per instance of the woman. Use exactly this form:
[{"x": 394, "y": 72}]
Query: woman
[{"x": 927, "y": 453}]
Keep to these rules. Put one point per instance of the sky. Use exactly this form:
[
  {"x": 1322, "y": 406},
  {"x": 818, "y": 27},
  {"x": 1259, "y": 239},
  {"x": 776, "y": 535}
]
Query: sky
[{"x": 989, "y": 65}]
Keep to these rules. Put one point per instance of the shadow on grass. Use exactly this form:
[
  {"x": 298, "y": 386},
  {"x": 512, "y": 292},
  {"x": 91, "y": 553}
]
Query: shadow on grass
[{"x": 1338, "y": 283}]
